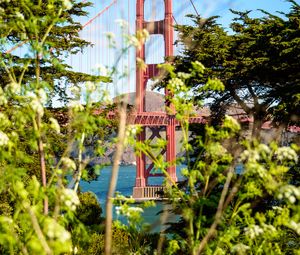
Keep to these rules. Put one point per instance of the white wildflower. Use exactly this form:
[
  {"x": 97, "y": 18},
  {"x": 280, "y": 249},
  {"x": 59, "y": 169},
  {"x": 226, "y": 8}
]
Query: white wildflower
[
  {"x": 131, "y": 211},
  {"x": 75, "y": 90},
  {"x": 295, "y": 226},
  {"x": 286, "y": 153},
  {"x": 240, "y": 248},
  {"x": 37, "y": 107},
  {"x": 118, "y": 210},
  {"x": 106, "y": 98},
  {"x": 55, "y": 231},
  {"x": 250, "y": 155},
  {"x": 35, "y": 102},
  {"x": 133, "y": 41},
  {"x": 4, "y": 121},
  {"x": 261, "y": 171},
  {"x": 253, "y": 231},
  {"x": 131, "y": 130},
  {"x": 42, "y": 96},
  {"x": 54, "y": 125},
  {"x": 70, "y": 199},
  {"x": 244, "y": 155},
  {"x": 90, "y": 86},
  {"x": 262, "y": 148},
  {"x": 123, "y": 23},
  {"x": 103, "y": 71},
  {"x": 19, "y": 15},
  {"x": 135, "y": 209},
  {"x": 76, "y": 106},
  {"x": 75, "y": 250},
  {"x": 269, "y": 228},
  {"x": 277, "y": 208},
  {"x": 289, "y": 192},
  {"x": 68, "y": 163},
  {"x": 13, "y": 88},
  {"x": 3, "y": 139},
  {"x": 67, "y": 4},
  {"x": 183, "y": 75},
  {"x": 176, "y": 83}
]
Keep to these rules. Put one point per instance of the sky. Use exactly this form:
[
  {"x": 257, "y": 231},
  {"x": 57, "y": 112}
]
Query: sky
[{"x": 102, "y": 54}]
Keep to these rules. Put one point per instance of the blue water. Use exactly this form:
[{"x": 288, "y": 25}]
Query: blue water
[{"x": 126, "y": 181}]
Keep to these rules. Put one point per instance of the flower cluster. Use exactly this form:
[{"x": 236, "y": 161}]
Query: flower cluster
[
  {"x": 176, "y": 84},
  {"x": 128, "y": 211},
  {"x": 70, "y": 199},
  {"x": 122, "y": 23},
  {"x": 13, "y": 88},
  {"x": 131, "y": 130},
  {"x": 3, "y": 99},
  {"x": 250, "y": 155},
  {"x": 68, "y": 163},
  {"x": 289, "y": 192},
  {"x": 253, "y": 231},
  {"x": 90, "y": 86},
  {"x": 67, "y": 4},
  {"x": 254, "y": 155},
  {"x": 295, "y": 226},
  {"x": 103, "y": 70},
  {"x": 3, "y": 139},
  {"x": 286, "y": 153},
  {"x": 75, "y": 90},
  {"x": 240, "y": 248},
  {"x": 37, "y": 100},
  {"x": 54, "y": 125},
  {"x": 76, "y": 106},
  {"x": 55, "y": 231},
  {"x": 183, "y": 75}
]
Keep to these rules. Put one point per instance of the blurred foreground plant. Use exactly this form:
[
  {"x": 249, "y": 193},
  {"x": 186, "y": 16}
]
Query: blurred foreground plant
[{"x": 237, "y": 196}]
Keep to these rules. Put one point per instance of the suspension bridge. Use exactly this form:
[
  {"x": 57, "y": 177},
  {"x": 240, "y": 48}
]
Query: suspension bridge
[
  {"x": 158, "y": 18},
  {"x": 112, "y": 22}
]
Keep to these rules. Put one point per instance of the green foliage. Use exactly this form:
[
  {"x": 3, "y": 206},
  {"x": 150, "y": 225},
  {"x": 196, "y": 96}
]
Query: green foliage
[
  {"x": 89, "y": 211},
  {"x": 257, "y": 62},
  {"x": 255, "y": 210},
  {"x": 238, "y": 195},
  {"x": 39, "y": 147},
  {"x": 27, "y": 23}
]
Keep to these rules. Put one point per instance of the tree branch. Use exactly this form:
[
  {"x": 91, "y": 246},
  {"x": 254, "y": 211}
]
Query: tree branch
[{"x": 240, "y": 101}]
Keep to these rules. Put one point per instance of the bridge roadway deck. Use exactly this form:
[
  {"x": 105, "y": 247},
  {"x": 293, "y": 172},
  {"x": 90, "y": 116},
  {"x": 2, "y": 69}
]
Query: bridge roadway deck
[{"x": 156, "y": 118}]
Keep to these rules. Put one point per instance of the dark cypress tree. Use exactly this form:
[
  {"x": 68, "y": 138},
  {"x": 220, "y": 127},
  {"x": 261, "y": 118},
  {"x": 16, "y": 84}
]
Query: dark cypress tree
[{"x": 258, "y": 63}]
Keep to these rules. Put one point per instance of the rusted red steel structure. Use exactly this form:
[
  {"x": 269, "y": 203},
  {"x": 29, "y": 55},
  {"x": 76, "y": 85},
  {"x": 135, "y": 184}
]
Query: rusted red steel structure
[{"x": 150, "y": 119}]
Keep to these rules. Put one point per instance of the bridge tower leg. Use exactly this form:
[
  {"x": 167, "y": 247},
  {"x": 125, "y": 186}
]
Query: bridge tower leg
[{"x": 164, "y": 27}]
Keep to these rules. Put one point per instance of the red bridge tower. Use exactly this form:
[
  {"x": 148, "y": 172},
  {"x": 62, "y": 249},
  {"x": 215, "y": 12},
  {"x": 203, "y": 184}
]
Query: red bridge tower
[{"x": 165, "y": 28}]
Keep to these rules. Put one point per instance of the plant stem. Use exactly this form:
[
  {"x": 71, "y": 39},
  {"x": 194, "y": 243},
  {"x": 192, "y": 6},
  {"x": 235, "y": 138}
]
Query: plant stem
[
  {"x": 38, "y": 231},
  {"x": 114, "y": 178},
  {"x": 219, "y": 212},
  {"x": 79, "y": 163}
]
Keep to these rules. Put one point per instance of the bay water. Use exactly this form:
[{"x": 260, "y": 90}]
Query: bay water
[{"x": 125, "y": 184}]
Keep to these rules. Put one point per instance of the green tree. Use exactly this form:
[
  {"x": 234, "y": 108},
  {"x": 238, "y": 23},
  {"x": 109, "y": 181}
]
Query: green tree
[
  {"x": 257, "y": 62},
  {"x": 238, "y": 196},
  {"x": 23, "y": 23}
]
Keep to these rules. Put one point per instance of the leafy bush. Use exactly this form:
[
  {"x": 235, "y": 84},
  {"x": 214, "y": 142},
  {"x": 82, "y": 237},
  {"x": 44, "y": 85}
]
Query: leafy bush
[{"x": 89, "y": 211}]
